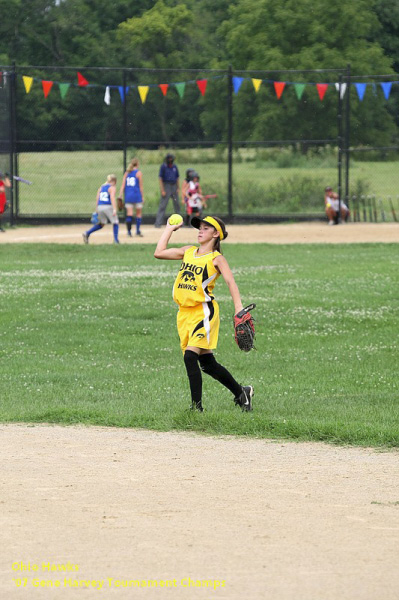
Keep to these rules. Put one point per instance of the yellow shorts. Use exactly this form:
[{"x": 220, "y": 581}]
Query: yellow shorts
[{"x": 198, "y": 326}]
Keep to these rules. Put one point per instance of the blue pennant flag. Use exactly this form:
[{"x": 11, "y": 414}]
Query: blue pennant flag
[
  {"x": 237, "y": 81},
  {"x": 361, "y": 89},
  {"x": 386, "y": 88},
  {"x": 123, "y": 92}
]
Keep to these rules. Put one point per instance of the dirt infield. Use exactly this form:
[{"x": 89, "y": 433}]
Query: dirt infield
[
  {"x": 297, "y": 233},
  {"x": 93, "y": 512},
  {"x": 188, "y": 516}
]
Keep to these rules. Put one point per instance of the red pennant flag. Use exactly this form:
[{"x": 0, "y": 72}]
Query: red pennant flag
[
  {"x": 47, "y": 85},
  {"x": 164, "y": 87},
  {"x": 202, "y": 85},
  {"x": 82, "y": 81},
  {"x": 279, "y": 87},
  {"x": 321, "y": 88}
]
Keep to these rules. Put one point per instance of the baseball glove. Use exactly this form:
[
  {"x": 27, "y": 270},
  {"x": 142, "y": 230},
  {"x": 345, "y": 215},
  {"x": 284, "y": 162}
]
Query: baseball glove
[
  {"x": 244, "y": 329},
  {"x": 120, "y": 202}
]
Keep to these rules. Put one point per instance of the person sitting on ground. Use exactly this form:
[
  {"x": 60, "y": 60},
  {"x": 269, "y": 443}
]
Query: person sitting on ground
[{"x": 333, "y": 206}]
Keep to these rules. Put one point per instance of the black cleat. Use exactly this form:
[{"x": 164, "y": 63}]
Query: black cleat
[
  {"x": 244, "y": 400},
  {"x": 197, "y": 407}
]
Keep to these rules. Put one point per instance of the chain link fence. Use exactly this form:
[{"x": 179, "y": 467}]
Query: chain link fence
[
  {"x": 67, "y": 141},
  {"x": 374, "y": 184}
]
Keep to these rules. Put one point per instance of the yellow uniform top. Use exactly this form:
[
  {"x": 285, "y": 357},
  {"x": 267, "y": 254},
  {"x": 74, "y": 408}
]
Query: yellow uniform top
[{"x": 196, "y": 278}]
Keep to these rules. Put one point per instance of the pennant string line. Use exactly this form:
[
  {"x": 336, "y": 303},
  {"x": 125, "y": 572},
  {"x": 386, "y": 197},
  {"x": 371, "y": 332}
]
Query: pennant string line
[{"x": 201, "y": 83}]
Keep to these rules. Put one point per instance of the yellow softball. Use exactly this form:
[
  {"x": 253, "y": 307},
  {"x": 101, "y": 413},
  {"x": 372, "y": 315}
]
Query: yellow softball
[{"x": 175, "y": 219}]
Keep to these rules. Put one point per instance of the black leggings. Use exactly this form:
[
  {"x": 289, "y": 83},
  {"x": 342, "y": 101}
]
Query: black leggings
[{"x": 209, "y": 365}]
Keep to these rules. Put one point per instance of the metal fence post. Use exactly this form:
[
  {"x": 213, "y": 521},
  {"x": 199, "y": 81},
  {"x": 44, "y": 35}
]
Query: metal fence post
[
  {"x": 230, "y": 141},
  {"x": 339, "y": 117},
  {"x": 124, "y": 108},
  {"x": 347, "y": 132},
  {"x": 13, "y": 147}
]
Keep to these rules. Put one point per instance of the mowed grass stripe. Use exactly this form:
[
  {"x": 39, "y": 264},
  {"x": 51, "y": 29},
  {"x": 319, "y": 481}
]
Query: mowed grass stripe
[{"x": 88, "y": 335}]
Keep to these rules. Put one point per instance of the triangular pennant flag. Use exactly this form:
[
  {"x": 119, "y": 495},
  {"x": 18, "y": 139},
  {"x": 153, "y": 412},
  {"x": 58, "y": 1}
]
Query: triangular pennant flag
[
  {"x": 256, "y": 84},
  {"x": 27, "y": 83},
  {"x": 180, "y": 88},
  {"x": 64, "y": 87},
  {"x": 237, "y": 82},
  {"x": 164, "y": 88},
  {"x": 202, "y": 85},
  {"x": 47, "y": 85},
  {"x": 279, "y": 87},
  {"x": 143, "y": 91},
  {"x": 299, "y": 89},
  {"x": 321, "y": 88},
  {"x": 107, "y": 96},
  {"x": 361, "y": 90},
  {"x": 82, "y": 81},
  {"x": 123, "y": 92},
  {"x": 386, "y": 88},
  {"x": 343, "y": 89}
]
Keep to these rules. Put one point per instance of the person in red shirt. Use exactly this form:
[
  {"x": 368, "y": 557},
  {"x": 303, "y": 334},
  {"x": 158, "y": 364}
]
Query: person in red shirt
[{"x": 4, "y": 183}]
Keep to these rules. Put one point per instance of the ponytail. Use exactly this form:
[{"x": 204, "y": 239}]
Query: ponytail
[
  {"x": 216, "y": 244},
  {"x": 133, "y": 164}
]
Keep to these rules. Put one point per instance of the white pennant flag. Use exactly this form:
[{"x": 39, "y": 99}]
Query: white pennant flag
[
  {"x": 107, "y": 96},
  {"x": 343, "y": 89}
]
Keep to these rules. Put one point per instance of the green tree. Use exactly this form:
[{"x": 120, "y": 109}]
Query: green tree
[
  {"x": 387, "y": 35},
  {"x": 161, "y": 38},
  {"x": 303, "y": 34}
]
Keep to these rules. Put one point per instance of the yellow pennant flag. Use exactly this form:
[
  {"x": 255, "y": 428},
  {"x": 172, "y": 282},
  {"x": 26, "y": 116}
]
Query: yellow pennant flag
[
  {"x": 143, "y": 91},
  {"x": 27, "y": 83},
  {"x": 256, "y": 83}
]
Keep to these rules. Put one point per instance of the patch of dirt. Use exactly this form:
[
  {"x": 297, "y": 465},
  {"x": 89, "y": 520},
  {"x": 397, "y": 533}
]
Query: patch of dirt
[
  {"x": 296, "y": 233},
  {"x": 250, "y": 518}
]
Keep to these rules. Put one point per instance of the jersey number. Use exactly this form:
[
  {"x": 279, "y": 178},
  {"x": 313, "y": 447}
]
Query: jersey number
[{"x": 131, "y": 181}]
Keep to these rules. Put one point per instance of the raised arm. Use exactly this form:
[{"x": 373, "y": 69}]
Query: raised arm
[
  {"x": 162, "y": 251},
  {"x": 221, "y": 263}
]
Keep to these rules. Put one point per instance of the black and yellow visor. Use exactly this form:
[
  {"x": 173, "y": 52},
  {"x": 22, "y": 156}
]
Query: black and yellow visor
[{"x": 196, "y": 222}]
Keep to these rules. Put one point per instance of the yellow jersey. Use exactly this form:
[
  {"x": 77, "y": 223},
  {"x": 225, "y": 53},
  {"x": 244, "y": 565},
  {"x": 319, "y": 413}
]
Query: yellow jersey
[{"x": 196, "y": 278}]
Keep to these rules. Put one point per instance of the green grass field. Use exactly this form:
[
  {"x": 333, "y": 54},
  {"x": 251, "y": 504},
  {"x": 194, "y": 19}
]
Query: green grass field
[
  {"x": 65, "y": 183},
  {"x": 88, "y": 336}
]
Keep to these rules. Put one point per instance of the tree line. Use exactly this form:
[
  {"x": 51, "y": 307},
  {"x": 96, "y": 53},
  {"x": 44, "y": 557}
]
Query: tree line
[{"x": 252, "y": 35}]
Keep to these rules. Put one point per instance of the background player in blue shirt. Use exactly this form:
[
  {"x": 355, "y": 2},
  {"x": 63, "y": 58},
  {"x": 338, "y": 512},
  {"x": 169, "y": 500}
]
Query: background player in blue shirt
[
  {"x": 132, "y": 186},
  {"x": 169, "y": 185},
  {"x": 106, "y": 209}
]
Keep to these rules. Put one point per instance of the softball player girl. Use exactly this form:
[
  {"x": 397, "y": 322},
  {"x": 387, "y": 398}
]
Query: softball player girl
[
  {"x": 132, "y": 185},
  {"x": 198, "y": 316},
  {"x": 106, "y": 209}
]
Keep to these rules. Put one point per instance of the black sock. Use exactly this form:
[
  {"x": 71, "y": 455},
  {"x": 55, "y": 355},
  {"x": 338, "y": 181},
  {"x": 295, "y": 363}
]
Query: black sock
[
  {"x": 194, "y": 377},
  {"x": 214, "y": 369}
]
